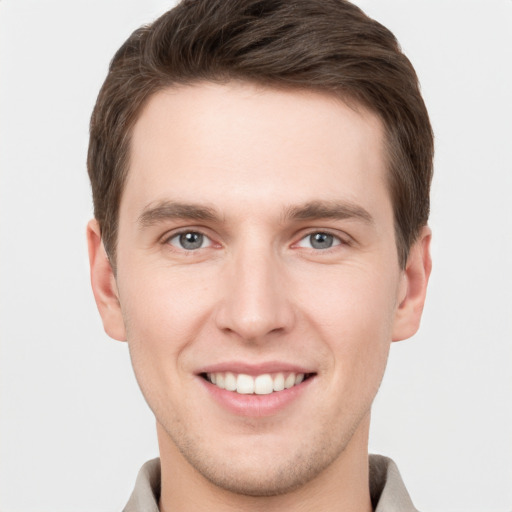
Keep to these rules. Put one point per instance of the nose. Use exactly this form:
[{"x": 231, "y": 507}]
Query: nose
[{"x": 255, "y": 302}]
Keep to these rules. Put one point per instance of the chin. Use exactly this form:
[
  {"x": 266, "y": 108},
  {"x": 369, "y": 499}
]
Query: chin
[
  {"x": 261, "y": 467},
  {"x": 262, "y": 480}
]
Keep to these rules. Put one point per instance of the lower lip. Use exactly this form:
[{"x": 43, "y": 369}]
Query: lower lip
[{"x": 256, "y": 405}]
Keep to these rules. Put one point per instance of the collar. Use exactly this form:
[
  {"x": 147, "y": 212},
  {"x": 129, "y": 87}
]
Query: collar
[{"x": 387, "y": 490}]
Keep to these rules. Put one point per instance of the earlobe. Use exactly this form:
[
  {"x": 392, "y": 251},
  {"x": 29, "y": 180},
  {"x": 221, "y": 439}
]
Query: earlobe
[
  {"x": 104, "y": 284},
  {"x": 413, "y": 288}
]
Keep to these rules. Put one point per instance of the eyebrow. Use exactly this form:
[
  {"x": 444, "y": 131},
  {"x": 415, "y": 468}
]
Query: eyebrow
[
  {"x": 328, "y": 210},
  {"x": 167, "y": 210}
]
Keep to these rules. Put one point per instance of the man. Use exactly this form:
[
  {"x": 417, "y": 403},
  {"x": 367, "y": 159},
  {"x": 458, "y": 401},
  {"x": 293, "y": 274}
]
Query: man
[{"x": 261, "y": 173}]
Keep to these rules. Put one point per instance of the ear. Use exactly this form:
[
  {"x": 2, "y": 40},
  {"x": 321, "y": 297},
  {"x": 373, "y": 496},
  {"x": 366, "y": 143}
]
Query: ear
[
  {"x": 413, "y": 287},
  {"x": 104, "y": 284}
]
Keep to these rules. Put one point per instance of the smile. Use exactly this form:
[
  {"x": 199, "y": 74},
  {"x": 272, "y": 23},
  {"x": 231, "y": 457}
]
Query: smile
[{"x": 264, "y": 384}]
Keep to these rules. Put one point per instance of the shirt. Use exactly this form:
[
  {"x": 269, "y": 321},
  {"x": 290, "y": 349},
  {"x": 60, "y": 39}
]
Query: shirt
[{"x": 387, "y": 490}]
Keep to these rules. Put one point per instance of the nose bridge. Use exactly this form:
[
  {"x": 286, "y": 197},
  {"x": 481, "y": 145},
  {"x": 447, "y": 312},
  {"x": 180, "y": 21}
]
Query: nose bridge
[{"x": 255, "y": 301}]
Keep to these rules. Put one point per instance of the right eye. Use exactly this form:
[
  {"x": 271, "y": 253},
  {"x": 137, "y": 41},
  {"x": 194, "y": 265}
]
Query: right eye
[{"x": 189, "y": 241}]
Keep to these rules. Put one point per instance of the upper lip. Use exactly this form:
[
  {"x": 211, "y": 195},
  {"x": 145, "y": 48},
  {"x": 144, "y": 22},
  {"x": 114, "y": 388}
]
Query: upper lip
[{"x": 255, "y": 369}]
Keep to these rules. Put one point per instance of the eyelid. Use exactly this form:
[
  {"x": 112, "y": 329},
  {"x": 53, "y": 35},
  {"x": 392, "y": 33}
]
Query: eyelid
[
  {"x": 167, "y": 237},
  {"x": 342, "y": 238}
]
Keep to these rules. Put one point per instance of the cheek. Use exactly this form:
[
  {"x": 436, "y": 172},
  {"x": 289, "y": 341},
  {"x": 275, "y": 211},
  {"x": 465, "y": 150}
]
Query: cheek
[
  {"x": 352, "y": 309},
  {"x": 163, "y": 314},
  {"x": 161, "y": 301},
  {"x": 352, "y": 299}
]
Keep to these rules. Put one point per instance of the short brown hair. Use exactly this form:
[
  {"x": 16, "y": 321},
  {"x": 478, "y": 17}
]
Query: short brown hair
[{"x": 322, "y": 45}]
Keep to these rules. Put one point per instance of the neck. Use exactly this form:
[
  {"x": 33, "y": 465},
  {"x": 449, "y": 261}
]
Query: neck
[{"x": 343, "y": 485}]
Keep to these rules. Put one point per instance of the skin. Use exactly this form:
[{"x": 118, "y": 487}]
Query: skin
[{"x": 257, "y": 291}]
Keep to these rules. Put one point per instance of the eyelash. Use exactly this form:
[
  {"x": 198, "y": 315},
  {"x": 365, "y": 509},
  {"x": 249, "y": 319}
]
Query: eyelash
[
  {"x": 337, "y": 240},
  {"x": 179, "y": 234}
]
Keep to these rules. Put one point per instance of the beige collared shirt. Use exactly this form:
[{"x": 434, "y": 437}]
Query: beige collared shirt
[{"x": 387, "y": 489}]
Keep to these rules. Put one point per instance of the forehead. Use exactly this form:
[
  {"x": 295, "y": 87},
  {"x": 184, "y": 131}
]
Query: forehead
[{"x": 211, "y": 142}]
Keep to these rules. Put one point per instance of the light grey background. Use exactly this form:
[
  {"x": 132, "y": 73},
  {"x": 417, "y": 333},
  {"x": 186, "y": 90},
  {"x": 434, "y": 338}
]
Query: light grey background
[{"x": 74, "y": 428}]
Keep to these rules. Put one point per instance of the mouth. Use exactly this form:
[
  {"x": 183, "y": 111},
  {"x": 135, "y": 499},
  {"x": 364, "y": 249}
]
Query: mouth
[{"x": 264, "y": 384}]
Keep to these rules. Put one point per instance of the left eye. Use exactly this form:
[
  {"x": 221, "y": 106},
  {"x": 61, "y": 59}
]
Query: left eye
[
  {"x": 190, "y": 241},
  {"x": 319, "y": 240}
]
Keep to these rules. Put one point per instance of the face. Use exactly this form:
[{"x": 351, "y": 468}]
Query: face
[{"x": 258, "y": 279}]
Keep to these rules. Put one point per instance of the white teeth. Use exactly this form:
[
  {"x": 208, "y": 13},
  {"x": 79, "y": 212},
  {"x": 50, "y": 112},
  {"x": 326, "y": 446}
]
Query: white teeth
[
  {"x": 219, "y": 382},
  {"x": 230, "y": 382},
  {"x": 245, "y": 384},
  {"x": 289, "y": 381},
  {"x": 260, "y": 385},
  {"x": 279, "y": 382},
  {"x": 263, "y": 384}
]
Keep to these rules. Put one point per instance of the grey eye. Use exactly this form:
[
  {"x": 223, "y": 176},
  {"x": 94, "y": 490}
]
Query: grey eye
[
  {"x": 319, "y": 241},
  {"x": 190, "y": 241}
]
